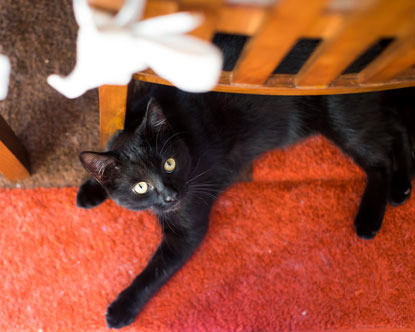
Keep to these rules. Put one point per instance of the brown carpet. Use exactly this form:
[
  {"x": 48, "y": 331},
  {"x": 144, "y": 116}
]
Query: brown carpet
[{"x": 39, "y": 39}]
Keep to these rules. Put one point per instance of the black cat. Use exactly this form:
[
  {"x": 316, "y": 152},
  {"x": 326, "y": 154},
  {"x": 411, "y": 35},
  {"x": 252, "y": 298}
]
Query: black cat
[{"x": 186, "y": 148}]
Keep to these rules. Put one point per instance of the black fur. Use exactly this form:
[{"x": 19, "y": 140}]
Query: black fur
[{"x": 213, "y": 137}]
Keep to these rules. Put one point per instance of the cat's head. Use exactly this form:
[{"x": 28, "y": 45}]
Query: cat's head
[{"x": 147, "y": 169}]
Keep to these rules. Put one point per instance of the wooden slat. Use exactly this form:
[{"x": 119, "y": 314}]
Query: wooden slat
[
  {"x": 358, "y": 33},
  {"x": 210, "y": 11},
  {"x": 160, "y": 7},
  {"x": 397, "y": 57},
  {"x": 282, "y": 84},
  {"x": 246, "y": 20},
  {"x": 112, "y": 107},
  {"x": 241, "y": 20},
  {"x": 281, "y": 29},
  {"x": 325, "y": 26},
  {"x": 14, "y": 162},
  {"x": 328, "y": 23}
]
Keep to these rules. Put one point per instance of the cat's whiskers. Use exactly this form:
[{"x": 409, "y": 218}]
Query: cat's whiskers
[
  {"x": 171, "y": 227},
  {"x": 197, "y": 176},
  {"x": 209, "y": 188},
  {"x": 205, "y": 185},
  {"x": 194, "y": 169},
  {"x": 203, "y": 189},
  {"x": 207, "y": 194},
  {"x": 200, "y": 198},
  {"x": 204, "y": 192}
]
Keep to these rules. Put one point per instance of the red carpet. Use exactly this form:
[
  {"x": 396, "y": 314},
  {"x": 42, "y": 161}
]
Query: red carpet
[{"x": 279, "y": 256}]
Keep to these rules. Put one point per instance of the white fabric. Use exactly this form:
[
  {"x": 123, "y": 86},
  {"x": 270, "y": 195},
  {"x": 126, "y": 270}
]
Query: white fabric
[
  {"x": 110, "y": 49},
  {"x": 4, "y": 75}
]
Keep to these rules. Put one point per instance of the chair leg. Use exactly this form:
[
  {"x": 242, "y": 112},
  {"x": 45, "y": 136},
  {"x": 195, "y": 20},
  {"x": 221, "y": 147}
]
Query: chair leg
[
  {"x": 112, "y": 108},
  {"x": 14, "y": 161}
]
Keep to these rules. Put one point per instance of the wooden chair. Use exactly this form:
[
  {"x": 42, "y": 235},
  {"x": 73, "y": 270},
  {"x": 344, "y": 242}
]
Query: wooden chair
[
  {"x": 14, "y": 162},
  {"x": 346, "y": 28}
]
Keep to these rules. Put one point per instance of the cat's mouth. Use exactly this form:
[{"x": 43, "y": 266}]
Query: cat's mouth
[{"x": 165, "y": 208}]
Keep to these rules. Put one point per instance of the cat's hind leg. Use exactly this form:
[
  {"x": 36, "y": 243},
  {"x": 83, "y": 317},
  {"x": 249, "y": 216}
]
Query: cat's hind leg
[
  {"x": 374, "y": 156},
  {"x": 402, "y": 171},
  {"x": 90, "y": 194},
  {"x": 389, "y": 180},
  {"x": 385, "y": 158},
  {"x": 373, "y": 204}
]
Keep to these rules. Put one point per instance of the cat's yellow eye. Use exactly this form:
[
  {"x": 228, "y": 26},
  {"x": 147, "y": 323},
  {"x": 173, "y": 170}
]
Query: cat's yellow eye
[
  {"x": 170, "y": 165},
  {"x": 141, "y": 188}
]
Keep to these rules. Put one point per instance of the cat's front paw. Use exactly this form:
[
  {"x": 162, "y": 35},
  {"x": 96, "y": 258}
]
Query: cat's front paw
[
  {"x": 122, "y": 311},
  {"x": 400, "y": 192},
  {"x": 90, "y": 194},
  {"x": 367, "y": 224},
  {"x": 365, "y": 231}
]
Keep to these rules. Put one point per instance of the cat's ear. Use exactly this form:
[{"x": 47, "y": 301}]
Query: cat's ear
[
  {"x": 154, "y": 115},
  {"x": 98, "y": 163}
]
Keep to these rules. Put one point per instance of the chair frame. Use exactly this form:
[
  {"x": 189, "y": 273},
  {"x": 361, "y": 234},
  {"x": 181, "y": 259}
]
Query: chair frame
[
  {"x": 346, "y": 32},
  {"x": 14, "y": 163}
]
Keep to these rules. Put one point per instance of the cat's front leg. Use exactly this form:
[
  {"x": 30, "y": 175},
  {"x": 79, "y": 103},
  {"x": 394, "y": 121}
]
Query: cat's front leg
[
  {"x": 373, "y": 204},
  {"x": 178, "y": 244},
  {"x": 90, "y": 194}
]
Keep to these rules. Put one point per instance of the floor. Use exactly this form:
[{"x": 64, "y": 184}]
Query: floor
[
  {"x": 39, "y": 39},
  {"x": 280, "y": 255}
]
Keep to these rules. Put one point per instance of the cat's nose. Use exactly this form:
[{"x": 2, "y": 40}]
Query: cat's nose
[{"x": 170, "y": 197}]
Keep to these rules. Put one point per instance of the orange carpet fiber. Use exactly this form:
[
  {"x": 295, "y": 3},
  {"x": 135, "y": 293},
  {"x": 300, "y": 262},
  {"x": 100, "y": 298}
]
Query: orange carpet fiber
[{"x": 281, "y": 255}]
